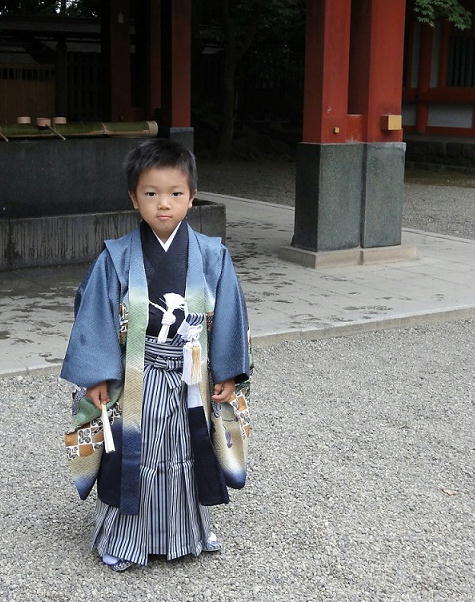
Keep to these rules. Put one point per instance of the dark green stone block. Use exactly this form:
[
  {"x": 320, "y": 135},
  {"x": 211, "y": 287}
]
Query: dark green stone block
[
  {"x": 381, "y": 218},
  {"x": 53, "y": 177},
  {"x": 328, "y": 196}
]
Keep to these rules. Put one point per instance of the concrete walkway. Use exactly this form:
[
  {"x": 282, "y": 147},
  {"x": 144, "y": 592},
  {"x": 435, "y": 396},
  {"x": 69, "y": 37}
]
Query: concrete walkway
[{"x": 285, "y": 301}]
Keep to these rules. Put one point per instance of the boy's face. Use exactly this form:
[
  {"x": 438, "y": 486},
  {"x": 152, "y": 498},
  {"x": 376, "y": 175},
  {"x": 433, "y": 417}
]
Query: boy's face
[{"x": 163, "y": 198}]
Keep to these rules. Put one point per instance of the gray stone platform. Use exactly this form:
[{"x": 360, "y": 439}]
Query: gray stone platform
[
  {"x": 285, "y": 301},
  {"x": 77, "y": 238}
]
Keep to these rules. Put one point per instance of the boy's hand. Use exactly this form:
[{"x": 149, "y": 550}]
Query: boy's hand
[
  {"x": 98, "y": 394},
  {"x": 223, "y": 391}
]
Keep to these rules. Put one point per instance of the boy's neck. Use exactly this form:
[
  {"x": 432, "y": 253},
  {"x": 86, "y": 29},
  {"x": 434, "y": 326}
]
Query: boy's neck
[{"x": 167, "y": 241}]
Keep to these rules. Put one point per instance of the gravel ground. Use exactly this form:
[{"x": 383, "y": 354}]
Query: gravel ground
[
  {"x": 436, "y": 202},
  {"x": 360, "y": 488},
  {"x": 443, "y": 209}
]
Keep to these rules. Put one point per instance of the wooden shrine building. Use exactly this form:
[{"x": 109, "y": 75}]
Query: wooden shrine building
[
  {"x": 127, "y": 67},
  {"x": 350, "y": 164},
  {"x": 135, "y": 66}
]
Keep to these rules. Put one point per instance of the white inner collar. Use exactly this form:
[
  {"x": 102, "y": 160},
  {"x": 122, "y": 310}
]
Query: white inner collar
[{"x": 168, "y": 242}]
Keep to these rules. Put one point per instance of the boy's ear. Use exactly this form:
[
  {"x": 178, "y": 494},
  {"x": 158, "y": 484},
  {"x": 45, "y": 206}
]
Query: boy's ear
[
  {"x": 192, "y": 197},
  {"x": 133, "y": 198}
]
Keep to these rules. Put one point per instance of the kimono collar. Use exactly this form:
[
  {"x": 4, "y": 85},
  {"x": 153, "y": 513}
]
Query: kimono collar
[{"x": 166, "y": 245}]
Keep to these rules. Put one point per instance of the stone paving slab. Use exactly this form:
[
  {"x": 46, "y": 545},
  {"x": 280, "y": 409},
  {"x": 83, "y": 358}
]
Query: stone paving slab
[
  {"x": 284, "y": 297},
  {"x": 285, "y": 301}
]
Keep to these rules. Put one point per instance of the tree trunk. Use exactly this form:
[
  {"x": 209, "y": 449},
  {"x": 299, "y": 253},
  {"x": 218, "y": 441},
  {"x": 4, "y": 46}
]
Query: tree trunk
[{"x": 229, "y": 84}]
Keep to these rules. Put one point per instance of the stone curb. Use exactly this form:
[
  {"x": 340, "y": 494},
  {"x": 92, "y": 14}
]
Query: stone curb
[
  {"x": 221, "y": 198},
  {"x": 362, "y": 326},
  {"x": 470, "y": 241},
  {"x": 312, "y": 334}
]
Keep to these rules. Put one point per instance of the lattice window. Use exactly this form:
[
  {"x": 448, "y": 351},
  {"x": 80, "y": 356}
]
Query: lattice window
[
  {"x": 461, "y": 65},
  {"x": 20, "y": 73}
]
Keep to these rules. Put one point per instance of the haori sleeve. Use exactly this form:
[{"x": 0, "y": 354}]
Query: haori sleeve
[
  {"x": 93, "y": 354},
  {"x": 229, "y": 337}
]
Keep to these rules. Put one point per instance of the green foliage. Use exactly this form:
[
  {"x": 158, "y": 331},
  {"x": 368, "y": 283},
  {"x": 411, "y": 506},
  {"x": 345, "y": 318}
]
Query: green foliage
[
  {"x": 252, "y": 19},
  {"x": 30, "y": 8},
  {"x": 427, "y": 11},
  {"x": 83, "y": 8},
  {"x": 267, "y": 13},
  {"x": 262, "y": 42}
]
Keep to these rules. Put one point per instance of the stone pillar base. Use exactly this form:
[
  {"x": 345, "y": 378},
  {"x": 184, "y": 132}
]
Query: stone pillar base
[
  {"x": 348, "y": 195},
  {"x": 358, "y": 256},
  {"x": 328, "y": 193},
  {"x": 383, "y": 178}
]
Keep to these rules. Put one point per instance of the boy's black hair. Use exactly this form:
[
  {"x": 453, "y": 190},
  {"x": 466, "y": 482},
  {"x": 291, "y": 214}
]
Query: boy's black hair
[{"x": 160, "y": 152}]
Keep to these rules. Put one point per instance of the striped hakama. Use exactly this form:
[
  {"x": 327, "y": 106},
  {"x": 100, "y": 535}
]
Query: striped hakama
[{"x": 170, "y": 521}]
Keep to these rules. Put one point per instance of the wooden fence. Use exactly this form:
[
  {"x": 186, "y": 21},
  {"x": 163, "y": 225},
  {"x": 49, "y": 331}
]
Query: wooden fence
[
  {"x": 26, "y": 90},
  {"x": 31, "y": 89}
]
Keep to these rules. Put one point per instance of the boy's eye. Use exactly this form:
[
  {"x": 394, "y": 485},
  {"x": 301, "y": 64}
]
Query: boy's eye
[
  {"x": 150, "y": 194},
  {"x": 177, "y": 193}
]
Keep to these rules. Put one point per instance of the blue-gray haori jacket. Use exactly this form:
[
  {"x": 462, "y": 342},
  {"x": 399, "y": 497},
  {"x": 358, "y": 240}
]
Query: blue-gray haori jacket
[{"x": 95, "y": 353}]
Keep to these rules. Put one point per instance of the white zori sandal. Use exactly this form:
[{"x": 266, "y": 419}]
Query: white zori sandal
[
  {"x": 212, "y": 543},
  {"x": 116, "y": 564}
]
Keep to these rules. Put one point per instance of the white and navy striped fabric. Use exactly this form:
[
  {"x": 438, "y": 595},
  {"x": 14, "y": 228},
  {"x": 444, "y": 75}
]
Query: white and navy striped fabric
[{"x": 170, "y": 521}]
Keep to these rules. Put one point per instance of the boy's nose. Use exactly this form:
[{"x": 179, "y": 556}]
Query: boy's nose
[{"x": 163, "y": 202}]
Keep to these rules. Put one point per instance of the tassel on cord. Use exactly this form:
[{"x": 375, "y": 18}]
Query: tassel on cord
[
  {"x": 192, "y": 355},
  {"x": 192, "y": 363},
  {"x": 108, "y": 439},
  {"x": 187, "y": 363},
  {"x": 173, "y": 301},
  {"x": 196, "y": 364}
]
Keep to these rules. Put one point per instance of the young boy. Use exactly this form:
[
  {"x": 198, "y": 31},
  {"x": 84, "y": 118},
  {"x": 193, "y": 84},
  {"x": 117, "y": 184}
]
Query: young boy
[{"x": 175, "y": 288}]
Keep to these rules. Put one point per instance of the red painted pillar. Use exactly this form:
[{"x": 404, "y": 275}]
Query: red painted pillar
[
  {"x": 326, "y": 70},
  {"x": 377, "y": 51},
  {"x": 176, "y": 65},
  {"x": 350, "y": 195},
  {"x": 116, "y": 26}
]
